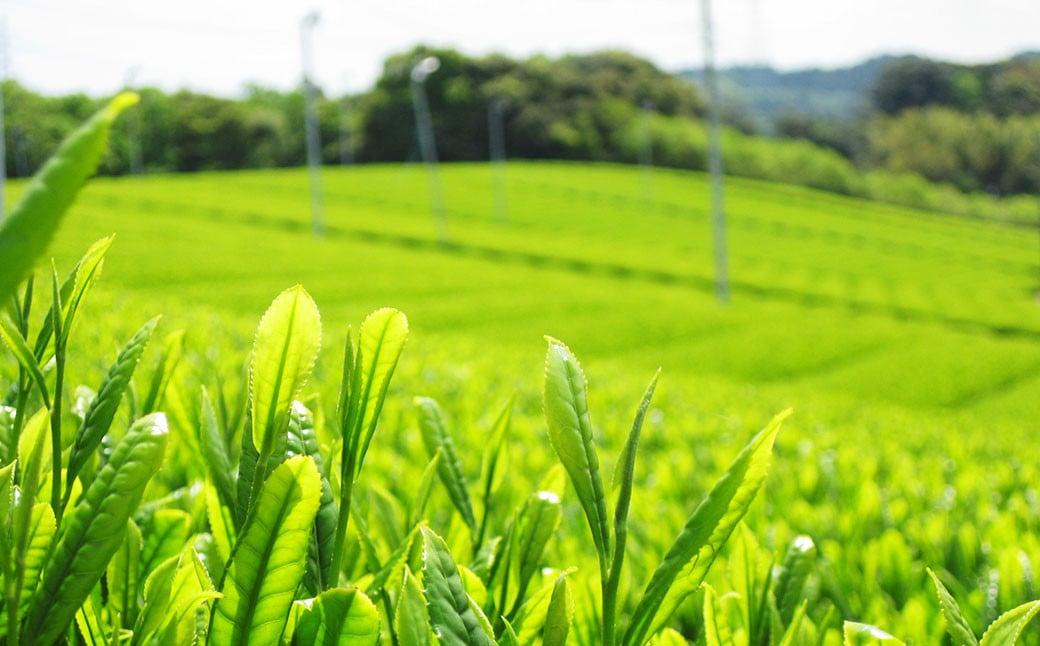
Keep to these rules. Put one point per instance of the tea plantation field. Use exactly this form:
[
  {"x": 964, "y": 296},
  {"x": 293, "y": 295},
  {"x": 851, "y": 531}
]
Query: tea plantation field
[{"x": 908, "y": 344}]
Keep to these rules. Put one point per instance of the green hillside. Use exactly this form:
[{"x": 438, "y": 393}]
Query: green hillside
[
  {"x": 906, "y": 341},
  {"x": 830, "y": 294}
]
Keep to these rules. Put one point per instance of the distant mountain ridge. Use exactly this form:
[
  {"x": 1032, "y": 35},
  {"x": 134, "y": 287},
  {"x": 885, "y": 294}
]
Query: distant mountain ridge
[{"x": 761, "y": 94}]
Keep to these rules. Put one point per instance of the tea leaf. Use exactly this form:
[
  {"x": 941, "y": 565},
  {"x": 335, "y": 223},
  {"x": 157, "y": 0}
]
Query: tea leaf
[
  {"x": 270, "y": 559},
  {"x": 956, "y": 625},
  {"x": 705, "y": 532},
  {"x": 1009, "y": 626},
  {"x": 32, "y": 223},
  {"x": 454, "y": 618},
  {"x": 560, "y": 614},
  {"x": 339, "y": 616},
  {"x": 438, "y": 442},
  {"x": 570, "y": 433},
  {"x": 94, "y": 530},
  {"x": 411, "y": 620}
]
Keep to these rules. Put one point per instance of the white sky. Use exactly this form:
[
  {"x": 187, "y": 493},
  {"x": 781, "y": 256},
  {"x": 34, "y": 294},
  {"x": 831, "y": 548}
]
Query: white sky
[{"x": 60, "y": 46}]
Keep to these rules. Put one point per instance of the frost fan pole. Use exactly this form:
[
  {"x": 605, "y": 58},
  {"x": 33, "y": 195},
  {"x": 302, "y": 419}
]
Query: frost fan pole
[
  {"x": 310, "y": 115},
  {"x": 718, "y": 214},
  {"x": 427, "y": 144}
]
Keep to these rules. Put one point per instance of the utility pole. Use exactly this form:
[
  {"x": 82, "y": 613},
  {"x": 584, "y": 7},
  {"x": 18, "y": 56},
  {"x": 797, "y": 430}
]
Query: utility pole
[
  {"x": 310, "y": 114},
  {"x": 718, "y": 214},
  {"x": 646, "y": 152},
  {"x": 133, "y": 127},
  {"x": 346, "y": 132},
  {"x": 497, "y": 142},
  {"x": 427, "y": 145}
]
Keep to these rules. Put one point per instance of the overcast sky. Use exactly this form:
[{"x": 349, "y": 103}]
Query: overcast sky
[{"x": 216, "y": 46}]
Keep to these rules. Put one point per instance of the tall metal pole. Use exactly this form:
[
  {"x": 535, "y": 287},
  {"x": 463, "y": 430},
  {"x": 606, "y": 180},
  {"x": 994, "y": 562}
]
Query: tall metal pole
[
  {"x": 646, "y": 152},
  {"x": 427, "y": 144},
  {"x": 133, "y": 127},
  {"x": 310, "y": 114},
  {"x": 718, "y": 214},
  {"x": 346, "y": 133},
  {"x": 497, "y": 142}
]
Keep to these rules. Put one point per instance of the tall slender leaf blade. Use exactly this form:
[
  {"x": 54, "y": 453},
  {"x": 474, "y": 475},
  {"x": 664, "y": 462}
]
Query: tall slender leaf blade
[
  {"x": 102, "y": 410},
  {"x": 451, "y": 613},
  {"x": 956, "y": 625},
  {"x": 411, "y": 619},
  {"x": 537, "y": 523},
  {"x": 94, "y": 530},
  {"x": 26, "y": 359},
  {"x": 270, "y": 559},
  {"x": 123, "y": 576},
  {"x": 173, "y": 349},
  {"x": 437, "y": 440},
  {"x": 560, "y": 614},
  {"x": 797, "y": 566},
  {"x": 1009, "y": 626},
  {"x": 570, "y": 433},
  {"x": 31, "y": 224},
  {"x": 339, "y": 616},
  {"x": 87, "y": 271},
  {"x": 701, "y": 539},
  {"x": 42, "y": 527},
  {"x": 284, "y": 351},
  {"x": 380, "y": 344}
]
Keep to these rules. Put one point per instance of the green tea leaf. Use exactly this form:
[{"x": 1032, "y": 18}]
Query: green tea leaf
[
  {"x": 425, "y": 488},
  {"x": 380, "y": 344},
  {"x": 1006, "y": 630},
  {"x": 42, "y": 527},
  {"x": 857, "y": 634},
  {"x": 165, "y": 533},
  {"x": 701, "y": 539},
  {"x": 158, "y": 587},
  {"x": 537, "y": 523},
  {"x": 452, "y": 615},
  {"x": 716, "y": 627},
  {"x": 123, "y": 574},
  {"x": 190, "y": 588},
  {"x": 284, "y": 351},
  {"x": 560, "y": 614},
  {"x": 411, "y": 620},
  {"x": 270, "y": 559},
  {"x": 303, "y": 440},
  {"x": 102, "y": 410},
  {"x": 26, "y": 359},
  {"x": 339, "y": 616},
  {"x": 797, "y": 566},
  {"x": 956, "y": 625},
  {"x": 94, "y": 530},
  {"x": 437, "y": 440},
  {"x": 570, "y": 433},
  {"x": 86, "y": 273},
  {"x": 31, "y": 224}
]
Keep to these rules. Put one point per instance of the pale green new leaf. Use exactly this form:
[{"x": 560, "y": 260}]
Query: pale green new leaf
[
  {"x": 284, "y": 351},
  {"x": 31, "y": 224},
  {"x": 570, "y": 433},
  {"x": 87, "y": 265},
  {"x": 538, "y": 521},
  {"x": 452, "y": 616},
  {"x": 411, "y": 619},
  {"x": 87, "y": 271},
  {"x": 560, "y": 614},
  {"x": 668, "y": 637},
  {"x": 956, "y": 625},
  {"x": 26, "y": 359},
  {"x": 857, "y": 634},
  {"x": 425, "y": 488},
  {"x": 122, "y": 577},
  {"x": 798, "y": 564},
  {"x": 102, "y": 410},
  {"x": 270, "y": 558},
  {"x": 191, "y": 587},
  {"x": 157, "y": 589},
  {"x": 41, "y": 532},
  {"x": 339, "y": 617},
  {"x": 1006, "y": 630},
  {"x": 716, "y": 628},
  {"x": 705, "y": 532},
  {"x": 449, "y": 468},
  {"x": 380, "y": 344},
  {"x": 6, "y": 503},
  {"x": 94, "y": 530}
]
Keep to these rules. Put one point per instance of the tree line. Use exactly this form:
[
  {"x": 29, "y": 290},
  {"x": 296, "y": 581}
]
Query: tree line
[{"x": 972, "y": 128}]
